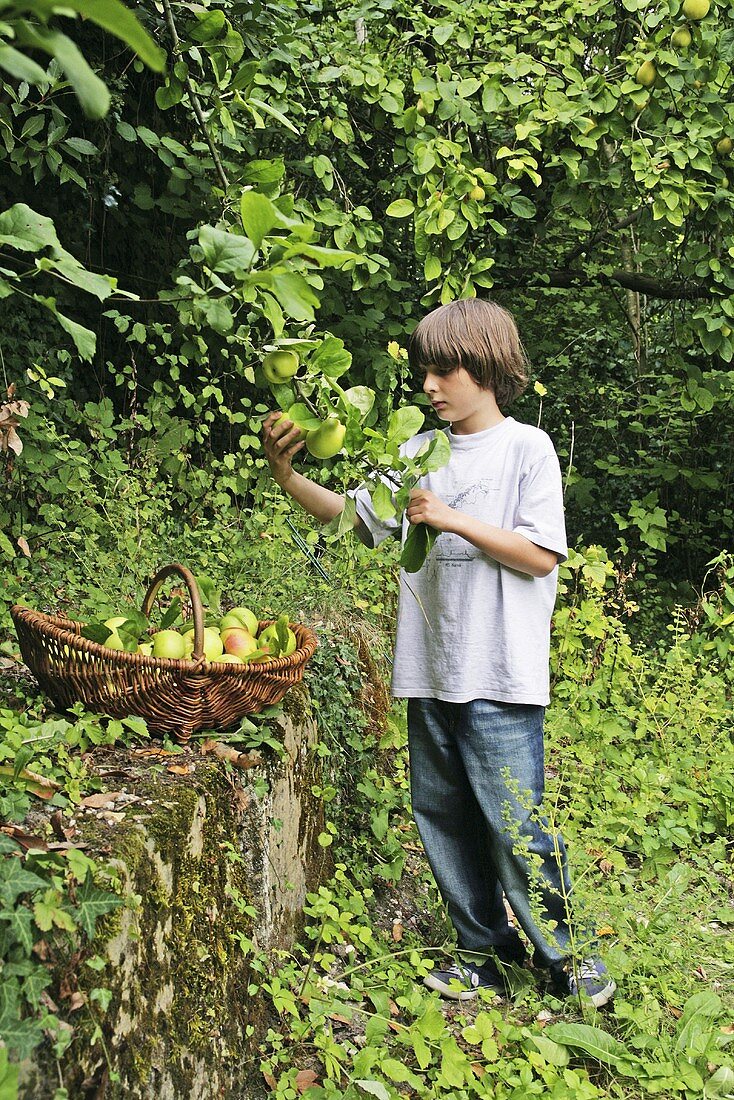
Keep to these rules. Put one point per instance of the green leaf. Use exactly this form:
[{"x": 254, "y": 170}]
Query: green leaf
[
  {"x": 554, "y": 1053},
  {"x": 169, "y": 94},
  {"x": 219, "y": 316},
  {"x": 224, "y": 251},
  {"x": 258, "y": 215},
  {"x": 91, "y": 92},
  {"x": 361, "y": 398},
  {"x": 404, "y": 423},
  {"x": 331, "y": 357},
  {"x": 443, "y": 32},
  {"x": 93, "y": 903},
  {"x": 20, "y": 926},
  {"x": 211, "y": 24},
  {"x": 15, "y": 880},
  {"x": 382, "y": 501},
  {"x": 295, "y": 295},
  {"x": 417, "y": 546},
  {"x": 373, "y": 1088},
  {"x": 171, "y": 614},
  {"x": 597, "y": 1044},
  {"x": 119, "y": 20},
  {"x": 84, "y": 339},
  {"x": 273, "y": 112},
  {"x": 24, "y": 229},
  {"x": 8, "y": 1078},
  {"x": 435, "y": 454},
  {"x": 21, "y": 67},
  {"x": 344, "y": 522},
  {"x": 400, "y": 208}
]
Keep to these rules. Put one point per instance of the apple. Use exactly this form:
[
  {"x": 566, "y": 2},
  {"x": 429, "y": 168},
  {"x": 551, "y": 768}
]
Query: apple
[
  {"x": 279, "y": 366},
  {"x": 269, "y": 641},
  {"x": 477, "y": 193},
  {"x": 646, "y": 74},
  {"x": 327, "y": 123},
  {"x": 239, "y": 642},
  {"x": 421, "y": 107},
  {"x": 213, "y": 644},
  {"x": 146, "y": 648},
  {"x": 169, "y": 643},
  {"x": 724, "y": 146},
  {"x": 326, "y": 441},
  {"x": 229, "y": 659},
  {"x": 115, "y": 641},
  {"x": 246, "y": 618},
  {"x": 681, "y": 38},
  {"x": 188, "y": 643},
  {"x": 696, "y": 9}
]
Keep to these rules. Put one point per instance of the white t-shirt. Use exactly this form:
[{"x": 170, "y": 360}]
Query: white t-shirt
[{"x": 472, "y": 628}]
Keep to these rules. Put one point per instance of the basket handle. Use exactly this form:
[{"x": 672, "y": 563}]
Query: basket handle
[{"x": 197, "y": 607}]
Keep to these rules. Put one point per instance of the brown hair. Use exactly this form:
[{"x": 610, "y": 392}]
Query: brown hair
[{"x": 478, "y": 335}]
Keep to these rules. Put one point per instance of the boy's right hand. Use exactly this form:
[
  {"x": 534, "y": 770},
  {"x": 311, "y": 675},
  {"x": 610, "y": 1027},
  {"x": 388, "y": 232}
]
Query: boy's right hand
[{"x": 281, "y": 441}]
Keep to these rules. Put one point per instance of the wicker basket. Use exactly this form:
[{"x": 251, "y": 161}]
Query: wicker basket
[{"x": 177, "y": 697}]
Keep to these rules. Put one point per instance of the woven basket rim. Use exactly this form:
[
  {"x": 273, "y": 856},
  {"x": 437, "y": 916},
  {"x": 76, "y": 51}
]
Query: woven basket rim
[{"x": 72, "y": 637}]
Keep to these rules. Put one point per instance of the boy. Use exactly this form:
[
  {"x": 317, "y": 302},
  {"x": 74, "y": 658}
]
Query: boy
[{"x": 471, "y": 652}]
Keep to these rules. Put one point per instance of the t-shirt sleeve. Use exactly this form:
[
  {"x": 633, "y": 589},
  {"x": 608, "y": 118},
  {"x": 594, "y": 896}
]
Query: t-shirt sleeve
[
  {"x": 539, "y": 514},
  {"x": 374, "y": 530}
]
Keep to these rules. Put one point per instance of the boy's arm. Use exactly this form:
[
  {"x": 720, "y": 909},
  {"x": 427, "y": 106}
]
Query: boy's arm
[
  {"x": 506, "y": 547},
  {"x": 281, "y": 442}
]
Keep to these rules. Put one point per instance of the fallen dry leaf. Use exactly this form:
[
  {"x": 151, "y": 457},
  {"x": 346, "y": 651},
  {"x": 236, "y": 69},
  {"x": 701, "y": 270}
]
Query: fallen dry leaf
[
  {"x": 397, "y": 931},
  {"x": 26, "y": 840},
  {"x": 606, "y": 930},
  {"x": 77, "y": 1001},
  {"x": 338, "y": 1018},
  {"x": 478, "y": 1068},
  {"x": 270, "y": 1081},
  {"x": 727, "y": 1029},
  {"x": 305, "y": 1078},
  {"x": 97, "y": 801},
  {"x": 179, "y": 769}
]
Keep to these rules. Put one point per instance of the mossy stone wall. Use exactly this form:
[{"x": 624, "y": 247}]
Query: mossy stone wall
[{"x": 220, "y": 860}]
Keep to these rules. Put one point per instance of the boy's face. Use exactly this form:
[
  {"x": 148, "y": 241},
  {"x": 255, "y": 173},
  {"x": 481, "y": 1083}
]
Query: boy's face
[{"x": 459, "y": 399}]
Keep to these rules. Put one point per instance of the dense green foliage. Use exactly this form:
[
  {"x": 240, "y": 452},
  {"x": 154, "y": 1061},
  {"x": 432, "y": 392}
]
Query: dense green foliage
[
  {"x": 426, "y": 154},
  {"x": 323, "y": 175}
]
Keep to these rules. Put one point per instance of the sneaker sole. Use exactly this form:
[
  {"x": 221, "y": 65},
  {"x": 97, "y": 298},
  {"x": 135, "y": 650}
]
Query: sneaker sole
[
  {"x": 454, "y": 993},
  {"x": 604, "y": 995}
]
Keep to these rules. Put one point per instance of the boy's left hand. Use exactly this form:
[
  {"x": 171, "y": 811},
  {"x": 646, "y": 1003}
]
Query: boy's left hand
[{"x": 426, "y": 507}]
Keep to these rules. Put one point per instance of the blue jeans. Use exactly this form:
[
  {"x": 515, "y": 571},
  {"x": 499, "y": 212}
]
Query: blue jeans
[{"x": 477, "y": 780}]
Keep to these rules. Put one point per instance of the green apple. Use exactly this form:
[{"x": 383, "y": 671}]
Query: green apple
[
  {"x": 696, "y": 9},
  {"x": 213, "y": 644},
  {"x": 169, "y": 643},
  {"x": 279, "y": 366},
  {"x": 239, "y": 642},
  {"x": 244, "y": 617},
  {"x": 724, "y": 146},
  {"x": 477, "y": 193},
  {"x": 229, "y": 659},
  {"x": 646, "y": 74},
  {"x": 146, "y": 648},
  {"x": 269, "y": 641},
  {"x": 326, "y": 441},
  {"x": 115, "y": 641},
  {"x": 681, "y": 38}
]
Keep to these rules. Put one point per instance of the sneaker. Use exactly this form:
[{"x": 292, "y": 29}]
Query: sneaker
[
  {"x": 462, "y": 981},
  {"x": 588, "y": 977}
]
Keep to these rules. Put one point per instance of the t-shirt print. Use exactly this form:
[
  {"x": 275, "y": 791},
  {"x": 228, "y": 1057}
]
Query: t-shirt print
[{"x": 478, "y": 500}]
